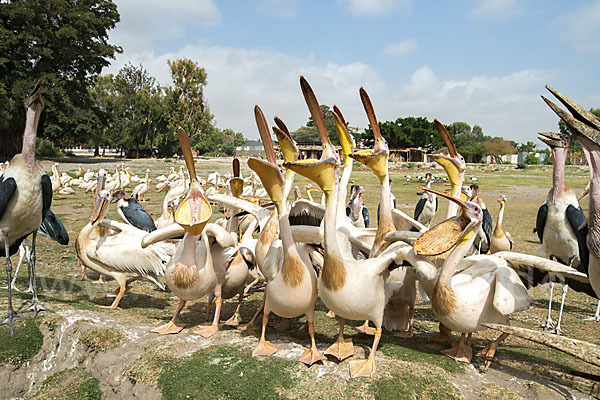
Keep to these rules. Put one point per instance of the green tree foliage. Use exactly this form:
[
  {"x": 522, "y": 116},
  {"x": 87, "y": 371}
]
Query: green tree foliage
[
  {"x": 309, "y": 134},
  {"x": 468, "y": 141},
  {"x": 528, "y": 147},
  {"x": 64, "y": 44}
]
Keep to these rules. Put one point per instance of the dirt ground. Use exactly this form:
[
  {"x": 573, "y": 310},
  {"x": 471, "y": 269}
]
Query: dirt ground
[{"x": 118, "y": 353}]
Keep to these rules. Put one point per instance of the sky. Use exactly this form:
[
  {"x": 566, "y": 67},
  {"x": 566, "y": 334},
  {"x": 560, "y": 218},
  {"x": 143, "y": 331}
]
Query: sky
[{"x": 483, "y": 62}]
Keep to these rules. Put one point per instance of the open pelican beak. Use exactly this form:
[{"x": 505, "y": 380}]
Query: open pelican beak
[
  {"x": 582, "y": 122},
  {"x": 449, "y": 233},
  {"x": 321, "y": 171},
  {"x": 346, "y": 139},
  {"x": 194, "y": 211},
  {"x": 286, "y": 144},
  {"x": 376, "y": 159},
  {"x": 271, "y": 178},
  {"x": 236, "y": 183},
  {"x": 100, "y": 207},
  {"x": 552, "y": 139}
]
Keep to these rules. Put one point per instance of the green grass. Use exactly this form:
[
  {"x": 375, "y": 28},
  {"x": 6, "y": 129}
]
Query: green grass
[
  {"x": 23, "y": 345},
  {"x": 101, "y": 339},
  {"x": 226, "y": 372},
  {"x": 70, "y": 384}
]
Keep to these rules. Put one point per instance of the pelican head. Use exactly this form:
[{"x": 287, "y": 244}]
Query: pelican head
[
  {"x": 457, "y": 230},
  {"x": 321, "y": 171},
  {"x": 102, "y": 176},
  {"x": 454, "y": 164},
  {"x": 377, "y": 158},
  {"x": 267, "y": 170},
  {"x": 101, "y": 205}
]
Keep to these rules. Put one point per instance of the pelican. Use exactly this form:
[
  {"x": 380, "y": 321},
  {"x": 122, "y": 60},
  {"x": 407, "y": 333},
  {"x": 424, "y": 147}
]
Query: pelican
[
  {"x": 115, "y": 183},
  {"x": 89, "y": 175},
  {"x": 119, "y": 256},
  {"x": 559, "y": 219},
  {"x": 586, "y": 127},
  {"x": 501, "y": 240},
  {"x": 427, "y": 205},
  {"x": 132, "y": 212},
  {"x": 352, "y": 289},
  {"x": 206, "y": 262},
  {"x": 291, "y": 279},
  {"x": 25, "y": 198},
  {"x": 139, "y": 192}
]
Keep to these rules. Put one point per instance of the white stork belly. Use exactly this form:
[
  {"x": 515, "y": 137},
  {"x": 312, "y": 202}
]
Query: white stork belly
[
  {"x": 288, "y": 302},
  {"x": 23, "y": 213},
  {"x": 361, "y": 298},
  {"x": 559, "y": 238}
]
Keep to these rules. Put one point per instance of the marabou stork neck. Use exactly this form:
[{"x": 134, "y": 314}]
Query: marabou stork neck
[
  {"x": 25, "y": 198},
  {"x": 559, "y": 218},
  {"x": 586, "y": 127},
  {"x": 427, "y": 204}
]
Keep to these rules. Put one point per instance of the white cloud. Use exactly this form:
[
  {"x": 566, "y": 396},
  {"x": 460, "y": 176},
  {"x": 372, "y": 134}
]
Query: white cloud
[
  {"x": 279, "y": 8},
  {"x": 499, "y": 10},
  {"x": 581, "y": 27},
  {"x": 507, "y": 105},
  {"x": 402, "y": 48},
  {"x": 374, "y": 7},
  {"x": 145, "y": 21}
]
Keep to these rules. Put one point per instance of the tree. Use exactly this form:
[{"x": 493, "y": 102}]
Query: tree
[
  {"x": 309, "y": 134},
  {"x": 64, "y": 44},
  {"x": 498, "y": 146},
  {"x": 528, "y": 147}
]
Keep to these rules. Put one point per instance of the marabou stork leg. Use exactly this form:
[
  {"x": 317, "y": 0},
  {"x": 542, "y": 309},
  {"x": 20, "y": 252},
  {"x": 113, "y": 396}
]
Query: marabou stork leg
[
  {"x": 549, "y": 324},
  {"x": 23, "y": 252},
  {"x": 35, "y": 305},
  {"x": 596, "y": 316},
  {"x": 12, "y": 314},
  {"x": 28, "y": 259},
  {"x": 558, "y": 331}
]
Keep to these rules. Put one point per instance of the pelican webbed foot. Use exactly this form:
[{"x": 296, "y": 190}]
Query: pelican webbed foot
[
  {"x": 365, "y": 328},
  {"x": 264, "y": 348},
  {"x": 461, "y": 352},
  {"x": 341, "y": 349},
  {"x": 171, "y": 328},
  {"x": 207, "y": 331},
  {"x": 362, "y": 368},
  {"x": 234, "y": 320},
  {"x": 115, "y": 292},
  {"x": 489, "y": 351},
  {"x": 330, "y": 314},
  {"x": 311, "y": 356},
  {"x": 405, "y": 334}
]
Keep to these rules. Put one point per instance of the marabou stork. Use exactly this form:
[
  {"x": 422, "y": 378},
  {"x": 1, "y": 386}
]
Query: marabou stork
[
  {"x": 132, "y": 212},
  {"x": 484, "y": 235},
  {"x": 25, "y": 198},
  {"x": 427, "y": 204},
  {"x": 586, "y": 127},
  {"x": 559, "y": 218}
]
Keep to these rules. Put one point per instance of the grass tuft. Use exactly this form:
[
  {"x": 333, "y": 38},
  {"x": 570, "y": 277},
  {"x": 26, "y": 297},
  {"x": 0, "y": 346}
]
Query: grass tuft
[
  {"x": 101, "y": 339},
  {"x": 70, "y": 384},
  {"x": 226, "y": 372},
  {"x": 22, "y": 346}
]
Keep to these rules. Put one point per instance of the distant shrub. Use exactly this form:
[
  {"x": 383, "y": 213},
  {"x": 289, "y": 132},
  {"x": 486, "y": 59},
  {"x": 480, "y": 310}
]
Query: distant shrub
[
  {"x": 548, "y": 161},
  {"x": 45, "y": 148},
  {"x": 521, "y": 165},
  {"x": 507, "y": 162},
  {"x": 531, "y": 159},
  {"x": 411, "y": 165}
]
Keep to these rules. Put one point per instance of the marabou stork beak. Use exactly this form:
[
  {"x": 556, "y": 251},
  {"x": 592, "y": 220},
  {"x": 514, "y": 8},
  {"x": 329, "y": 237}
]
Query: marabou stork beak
[
  {"x": 194, "y": 211},
  {"x": 582, "y": 122},
  {"x": 321, "y": 171},
  {"x": 447, "y": 234},
  {"x": 552, "y": 139},
  {"x": 100, "y": 206}
]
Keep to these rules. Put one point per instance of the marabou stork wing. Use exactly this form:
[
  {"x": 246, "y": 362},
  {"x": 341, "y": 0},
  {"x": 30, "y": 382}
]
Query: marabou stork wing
[
  {"x": 403, "y": 222},
  {"x": 53, "y": 229},
  {"x": 419, "y": 208},
  {"x": 7, "y": 190},
  {"x": 46, "y": 195},
  {"x": 584, "y": 252},
  {"x": 535, "y": 271},
  {"x": 137, "y": 216},
  {"x": 540, "y": 221},
  {"x": 306, "y": 212},
  {"x": 576, "y": 218},
  {"x": 487, "y": 230}
]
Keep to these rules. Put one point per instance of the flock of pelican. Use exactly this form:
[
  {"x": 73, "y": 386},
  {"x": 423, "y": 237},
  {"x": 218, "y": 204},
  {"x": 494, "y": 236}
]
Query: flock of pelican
[{"x": 306, "y": 250}]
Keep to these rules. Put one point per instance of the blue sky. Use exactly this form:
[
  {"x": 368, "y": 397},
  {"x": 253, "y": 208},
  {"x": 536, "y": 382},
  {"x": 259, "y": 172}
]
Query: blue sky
[{"x": 484, "y": 62}]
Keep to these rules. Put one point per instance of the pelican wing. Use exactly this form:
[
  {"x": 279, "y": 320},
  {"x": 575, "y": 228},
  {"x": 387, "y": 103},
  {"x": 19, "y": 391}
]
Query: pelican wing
[
  {"x": 127, "y": 255},
  {"x": 535, "y": 271},
  {"x": 273, "y": 261},
  {"x": 403, "y": 222},
  {"x": 510, "y": 295},
  {"x": 306, "y": 212},
  {"x": 262, "y": 215}
]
